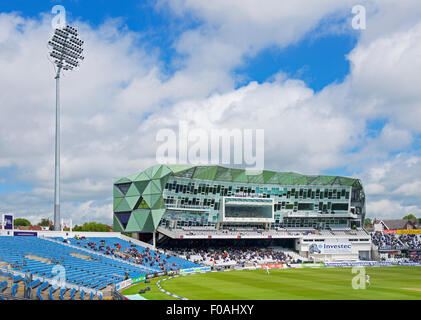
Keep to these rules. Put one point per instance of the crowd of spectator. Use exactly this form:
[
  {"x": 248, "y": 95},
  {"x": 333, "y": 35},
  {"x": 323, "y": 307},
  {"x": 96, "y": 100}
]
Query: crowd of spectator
[
  {"x": 144, "y": 257},
  {"x": 387, "y": 240},
  {"x": 398, "y": 241},
  {"x": 233, "y": 256}
]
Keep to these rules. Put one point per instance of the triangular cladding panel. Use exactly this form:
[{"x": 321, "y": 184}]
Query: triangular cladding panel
[
  {"x": 223, "y": 174},
  {"x": 151, "y": 199},
  {"x": 116, "y": 202},
  {"x": 239, "y": 175},
  {"x": 159, "y": 204},
  {"x": 268, "y": 175},
  {"x": 123, "y": 206},
  {"x": 117, "y": 193},
  {"x": 149, "y": 225},
  {"x": 142, "y": 177},
  {"x": 132, "y": 225},
  {"x": 133, "y": 177},
  {"x": 132, "y": 201},
  {"x": 116, "y": 225},
  {"x": 156, "y": 216},
  {"x": 177, "y": 168},
  {"x": 165, "y": 171},
  {"x": 143, "y": 205},
  {"x": 132, "y": 191},
  {"x": 141, "y": 217},
  {"x": 258, "y": 178},
  {"x": 141, "y": 185},
  {"x": 153, "y": 187},
  {"x": 122, "y": 180},
  {"x": 150, "y": 171},
  {"x": 156, "y": 173},
  {"x": 205, "y": 173}
]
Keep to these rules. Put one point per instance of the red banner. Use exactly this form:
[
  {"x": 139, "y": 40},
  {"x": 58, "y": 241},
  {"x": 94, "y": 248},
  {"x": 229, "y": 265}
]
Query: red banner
[
  {"x": 392, "y": 231},
  {"x": 273, "y": 266}
]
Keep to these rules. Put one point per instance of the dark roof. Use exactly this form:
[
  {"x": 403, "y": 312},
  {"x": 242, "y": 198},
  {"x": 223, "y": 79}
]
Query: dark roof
[{"x": 398, "y": 223}]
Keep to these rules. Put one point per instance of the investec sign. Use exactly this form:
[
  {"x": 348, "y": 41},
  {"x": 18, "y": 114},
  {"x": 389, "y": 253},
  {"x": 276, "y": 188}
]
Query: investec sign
[
  {"x": 333, "y": 247},
  {"x": 8, "y": 221}
]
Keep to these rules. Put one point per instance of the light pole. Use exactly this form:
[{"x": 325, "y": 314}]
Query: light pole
[{"x": 67, "y": 52}]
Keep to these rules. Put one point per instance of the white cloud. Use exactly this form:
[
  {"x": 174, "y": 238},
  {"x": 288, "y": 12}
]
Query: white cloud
[{"x": 388, "y": 209}]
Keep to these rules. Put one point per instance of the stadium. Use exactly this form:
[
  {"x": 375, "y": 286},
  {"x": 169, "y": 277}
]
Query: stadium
[{"x": 183, "y": 232}]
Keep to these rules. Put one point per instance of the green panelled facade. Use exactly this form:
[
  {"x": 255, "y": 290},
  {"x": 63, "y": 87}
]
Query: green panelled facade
[{"x": 144, "y": 200}]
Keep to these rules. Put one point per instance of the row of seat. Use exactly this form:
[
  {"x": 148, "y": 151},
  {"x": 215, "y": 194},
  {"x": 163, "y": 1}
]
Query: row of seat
[
  {"x": 174, "y": 263},
  {"x": 49, "y": 260}
]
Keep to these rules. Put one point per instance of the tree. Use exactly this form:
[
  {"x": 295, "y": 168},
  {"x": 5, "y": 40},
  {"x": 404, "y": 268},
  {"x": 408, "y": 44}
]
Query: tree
[
  {"x": 409, "y": 217},
  {"x": 44, "y": 223},
  {"x": 20, "y": 222},
  {"x": 92, "y": 227},
  {"x": 367, "y": 222}
]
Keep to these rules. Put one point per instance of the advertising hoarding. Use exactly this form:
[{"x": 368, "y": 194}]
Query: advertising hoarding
[
  {"x": 7, "y": 221},
  {"x": 331, "y": 247}
]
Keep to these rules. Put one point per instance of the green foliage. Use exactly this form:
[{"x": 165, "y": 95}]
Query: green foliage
[
  {"x": 367, "y": 222},
  {"x": 20, "y": 222},
  {"x": 92, "y": 227},
  {"x": 44, "y": 223},
  {"x": 409, "y": 217}
]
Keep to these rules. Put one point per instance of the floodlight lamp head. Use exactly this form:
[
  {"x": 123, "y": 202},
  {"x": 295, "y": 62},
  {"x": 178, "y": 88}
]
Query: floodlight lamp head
[{"x": 66, "y": 48}]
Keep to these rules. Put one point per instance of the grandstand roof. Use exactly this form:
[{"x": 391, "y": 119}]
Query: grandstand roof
[{"x": 219, "y": 173}]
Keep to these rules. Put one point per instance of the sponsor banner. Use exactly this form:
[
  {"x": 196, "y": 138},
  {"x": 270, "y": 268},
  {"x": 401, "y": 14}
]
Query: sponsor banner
[
  {"x": 360, "y": 263},
  {"x": 123, "y": 284},
  {"x": 273, "y": 266},
  {"x": 412, "y": 264},
  {"x": 138, "y": 279},
  {"x": 391, "y": 231},
  {"x": 409, "y": 231},
  {"x": 8, "y": 221},
  {"x": 331, "y": 247},
  {"x": 312, "y": 265},
  {"x": 191, "y": 270},
  {"x": 296, "y": 265},
  {"x": 25, "y": 234}
]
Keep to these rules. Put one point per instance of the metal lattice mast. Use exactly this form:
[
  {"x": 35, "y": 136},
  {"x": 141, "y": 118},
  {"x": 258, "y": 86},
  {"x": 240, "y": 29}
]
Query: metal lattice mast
[{"x": 67, "y": 52}]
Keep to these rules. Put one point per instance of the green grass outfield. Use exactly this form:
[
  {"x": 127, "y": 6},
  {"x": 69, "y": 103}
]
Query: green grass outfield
[{"x": 290, "y": 284}]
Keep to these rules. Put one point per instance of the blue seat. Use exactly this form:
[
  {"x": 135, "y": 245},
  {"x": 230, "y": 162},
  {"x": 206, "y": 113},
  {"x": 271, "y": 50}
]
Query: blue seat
[
  {"x": 14, "y": 289},
  {"x": 3, "y": 286},
  {"x": 72, "y": 294},
  {"x": 51, "y": 291},
  {"x": 62, "y": 292}
]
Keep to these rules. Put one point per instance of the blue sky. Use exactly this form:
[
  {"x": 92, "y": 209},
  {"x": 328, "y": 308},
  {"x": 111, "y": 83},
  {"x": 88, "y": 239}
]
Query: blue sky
[{"x": 190, "y": 54}]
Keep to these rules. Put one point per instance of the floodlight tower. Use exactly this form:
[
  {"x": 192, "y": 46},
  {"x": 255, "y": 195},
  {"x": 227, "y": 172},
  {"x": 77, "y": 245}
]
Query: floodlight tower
[{"x": 67, "y": 52}]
